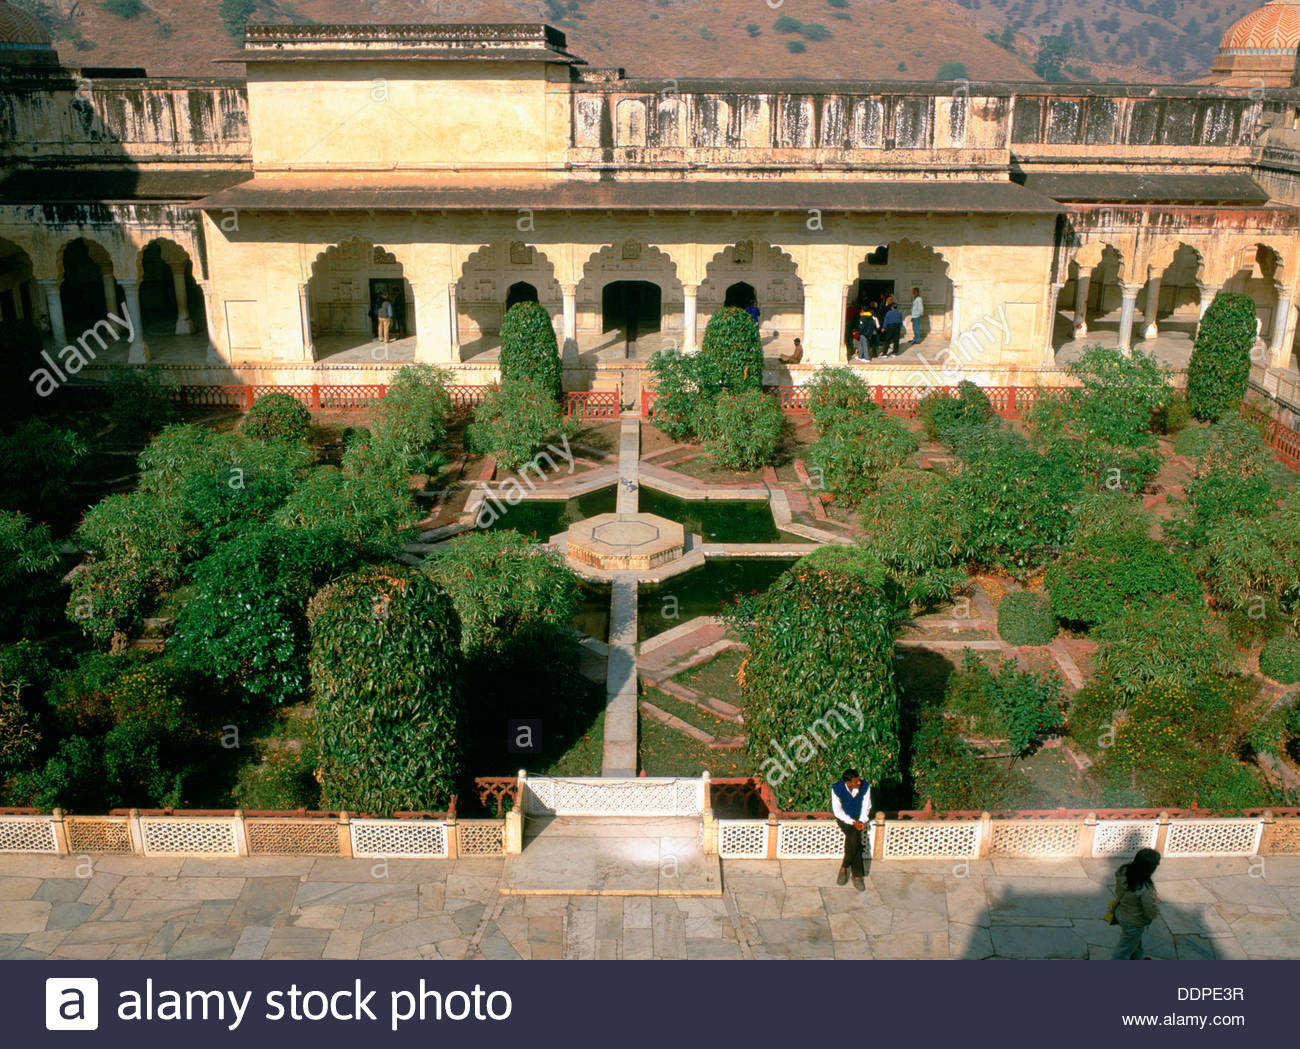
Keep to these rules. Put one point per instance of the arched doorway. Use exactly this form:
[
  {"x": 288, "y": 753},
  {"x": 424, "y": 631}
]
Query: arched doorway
[
  {"x": 494, "y": 278},
  {"x": 1089, "y": 302},
  {"x": 348, "y": 283},
  {"x": 740, "y": 295},
  {"x": 634, "y": 307},
  {"x": 756, "y": 272},
  {"x": 1256, "y": 273},
  {"x": 18, "y": 290},
  {"x": 629, "y": 301},
  {"x": 521, "y": 291},
  {"x": 88, "y": 289},
  {"x": 894, "y": 269},
  {"x": 171, "y": 301}
]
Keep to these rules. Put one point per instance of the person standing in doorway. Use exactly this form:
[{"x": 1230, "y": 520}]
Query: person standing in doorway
[
  {"x": 1137, "y": 904},
  {"x": 385, "y": 317},
  {"x": 753, "y": 310},
  {"x": 893, "y": 328},
  {"x": 918, "y": 311},
  {"x": 851, "y": 803}
]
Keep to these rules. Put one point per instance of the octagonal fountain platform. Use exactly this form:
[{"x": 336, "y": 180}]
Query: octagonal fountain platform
[{"x": 626, "y": 542}]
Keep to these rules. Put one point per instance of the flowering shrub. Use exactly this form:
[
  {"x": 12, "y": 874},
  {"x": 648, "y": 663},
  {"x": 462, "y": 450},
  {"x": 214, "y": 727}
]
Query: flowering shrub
[
  {"x": 1280, "y": 660},
  {"x": 1020, "y": 705}
]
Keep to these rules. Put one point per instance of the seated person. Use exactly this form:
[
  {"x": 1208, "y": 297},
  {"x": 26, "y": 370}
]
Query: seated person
[{"x": 796, "y": 356}]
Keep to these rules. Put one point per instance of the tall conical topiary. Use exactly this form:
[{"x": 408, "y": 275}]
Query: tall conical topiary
[
  {"x": 529, "y": 349},
  {"x": 386, "y": 677},
  {"x": 1220, "y": 364},
  {"x": 732, "y": 349}
]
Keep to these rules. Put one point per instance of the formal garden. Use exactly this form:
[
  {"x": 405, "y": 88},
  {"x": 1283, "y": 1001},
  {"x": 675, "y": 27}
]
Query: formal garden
[{"x": 1093, "y": 604}]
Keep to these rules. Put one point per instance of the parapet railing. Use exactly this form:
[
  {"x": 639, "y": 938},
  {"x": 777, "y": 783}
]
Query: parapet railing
[
  {"x": 237, "y": 832},
  {"x": 1043, "y": 834},
  {"x": 577, "y": 404}
]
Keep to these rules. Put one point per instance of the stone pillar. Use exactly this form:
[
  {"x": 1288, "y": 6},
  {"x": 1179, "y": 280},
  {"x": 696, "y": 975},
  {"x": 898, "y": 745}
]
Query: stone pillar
[
  {"x": 1081, "y": 289},
  {"x": 432, "y": 326},
  {"x": 1053, "y": 304},
  {"x": 840, "y": 347},
  {"x": 139, "y": 352},
  {"x": 453, "y": 322},
  {"x": 1128, "y": 303},
  {"x": 184, "y": 323},
  {"x": 569, "y": 348},
  {"x": 1279, "y": 346},
  {"x": 210, "y": 314},
  {"x": 54, "y": 303},
  {"x": 304, "y": 318},
  {"x": 1150, "y": 328},
  {"x": 955, "y": 324},
  {"x": 1208, "y": 291},
  {"x": 690, "y": 293},
  {"x": 807, "y": 319},
  {"x": 110, "y": 291}
]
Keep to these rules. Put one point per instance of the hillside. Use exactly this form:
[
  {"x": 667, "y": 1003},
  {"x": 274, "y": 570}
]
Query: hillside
[{"x": 1150, "y": 40}]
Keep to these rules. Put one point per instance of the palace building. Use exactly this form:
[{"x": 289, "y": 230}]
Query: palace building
[{"x": 248, "y": 221}]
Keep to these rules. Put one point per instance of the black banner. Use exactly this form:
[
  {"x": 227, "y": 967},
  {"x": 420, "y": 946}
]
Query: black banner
[{"x": 632, "y": 1004}]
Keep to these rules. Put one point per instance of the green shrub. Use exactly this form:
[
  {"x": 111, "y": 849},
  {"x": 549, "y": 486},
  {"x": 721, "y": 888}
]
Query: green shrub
[
  {"x": 24, "y": 678},
  {"x": 1099, "y": 578},
  {"x": 1110, "y": 515},
  {"x": 245, "y": 621},
  {"x": 1103, "y": 426},
  {"x": 910, "y": 525},
  {"x": 37, "y": 467},
  {"x": 1091, "y": 717},
  {"x": 733, "y": 348},
  {"x": 529, "y": 349},
  {"x": 743, "y": 431},
  {"x": 277, "y": 417},
  {"x": 943, "y": 414},
  {"x": 837, "y": 395},
  {"x": 1279, "y": 733},
  {"x": 1231, "y": 484},
  {"x": 140, "y": 400},
  {"x": 366, "y": 508},
  {"x": 516, "y": 421},
  {"x": 1220, "y": 363},
  {"x": 949, "y": 773},
  {"x": 1180, "y": 745},
  {"x": 28, "y": 560},
  {"x": 412, "y": 422},
  {"x": 503, "y": 584},
  {"x": 1190, "y": 442},
  {"x": 1280, "y": 660},
  {"x": 817, "y": 694},
  {"x": 1013, "y": 503},
  {"x": 1174, "y": 416},
  {"x": 850, "y": 457},
  {"x": 1250, "y": 562},
  {"x": 1007, "y": 702},
  {"x": 1168, "y": 641},
  {"x": 385, "y": 674},
  {"x": 677, "y": 393},
  {"x": 1025, "y": 618}
]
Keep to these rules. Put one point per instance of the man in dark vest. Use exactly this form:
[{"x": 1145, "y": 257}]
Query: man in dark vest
[{"x": 851, "y": 803}]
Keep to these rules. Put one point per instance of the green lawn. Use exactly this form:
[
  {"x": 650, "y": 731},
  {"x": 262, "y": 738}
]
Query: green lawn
[{"x": 664, "y": 752}]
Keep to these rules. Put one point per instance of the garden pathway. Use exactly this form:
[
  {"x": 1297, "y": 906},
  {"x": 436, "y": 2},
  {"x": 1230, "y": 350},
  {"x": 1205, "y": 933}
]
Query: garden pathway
[
  {"x": 620, "y": 747},
  {"x": 302, "y": 907}
]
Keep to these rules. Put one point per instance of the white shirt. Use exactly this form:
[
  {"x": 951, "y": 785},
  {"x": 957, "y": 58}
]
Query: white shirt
[
  {"x": 918, "y": 307},
  {"x": 838, "y": 809}
]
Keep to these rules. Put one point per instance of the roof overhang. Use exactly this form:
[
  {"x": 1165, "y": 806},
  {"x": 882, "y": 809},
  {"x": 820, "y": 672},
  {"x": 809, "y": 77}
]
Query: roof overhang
[{"x": 334, "y": 192}]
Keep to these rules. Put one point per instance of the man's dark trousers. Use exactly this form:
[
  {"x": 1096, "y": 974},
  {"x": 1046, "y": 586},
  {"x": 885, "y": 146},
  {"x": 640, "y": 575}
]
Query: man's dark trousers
[{"x": 852, "y": 848}]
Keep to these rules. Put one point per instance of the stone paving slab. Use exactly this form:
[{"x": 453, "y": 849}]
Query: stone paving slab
[
  {"x": 581, "y": 857},
  {"x": 761, "y": 909}
]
